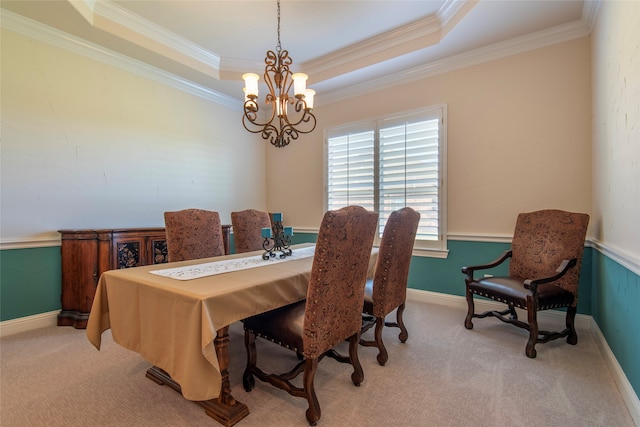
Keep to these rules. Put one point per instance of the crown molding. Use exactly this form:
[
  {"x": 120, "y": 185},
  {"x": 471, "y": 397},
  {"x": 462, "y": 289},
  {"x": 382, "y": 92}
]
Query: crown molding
[
  {"x": 590, "y": 11},
  {"x": 406, "y": 34},
  {"x": 450, "y": 9},
  {"x": 395, "y": 38},
  {"x": 416, "y": 35},
  {"x": 555, "y": 35},
  {"x": 43, "y": 33},
  {"x": 108, "y": 16}
]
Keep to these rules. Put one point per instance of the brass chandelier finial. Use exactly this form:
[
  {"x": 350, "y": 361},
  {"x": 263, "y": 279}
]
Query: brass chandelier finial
[{"x": 283, "y": 125}]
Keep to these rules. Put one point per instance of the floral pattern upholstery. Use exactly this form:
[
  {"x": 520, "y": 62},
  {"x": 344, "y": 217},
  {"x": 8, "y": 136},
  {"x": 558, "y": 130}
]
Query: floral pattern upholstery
[
  {"x": 388, "y": 288},
  {"x": 394, "y": 259},
  {"x": 331, "y": 313},
  {"x": 193, "y": 234},
  {"x": 336, "y": 287},
  {"x": 247, "y": 227},
  {"x": 542, "y": 240}
]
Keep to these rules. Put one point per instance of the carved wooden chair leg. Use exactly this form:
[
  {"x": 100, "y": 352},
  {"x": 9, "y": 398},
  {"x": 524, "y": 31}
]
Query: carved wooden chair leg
[
  {"x": 532, "y": 317},
  {"x": 383, "y": 356},
  {"x": 572, "y": 338},
  {"x": 470, "y": 310},
  {"x": 247, "y": 378},
  {"x": 404, "y": 334},
  {"x": 313, "y": 412},
  {"x": 358, "y": 374}
]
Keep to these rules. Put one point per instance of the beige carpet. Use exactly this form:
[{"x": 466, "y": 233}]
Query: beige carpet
[{"x": 444, "y": 375}]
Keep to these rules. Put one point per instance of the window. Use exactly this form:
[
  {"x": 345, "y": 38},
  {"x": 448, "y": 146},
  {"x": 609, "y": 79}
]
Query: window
[{"x": 389, "y": 163}]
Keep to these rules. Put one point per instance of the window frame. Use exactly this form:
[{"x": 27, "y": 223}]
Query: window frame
[{"x": 430, "y": 248}]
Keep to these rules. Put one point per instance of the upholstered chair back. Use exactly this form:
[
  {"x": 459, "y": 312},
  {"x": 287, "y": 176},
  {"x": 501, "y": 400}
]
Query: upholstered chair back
[
  {"x": 336, "y": 286},
  {"x": 193, "y": 234},
  {"x": 247, "y": 226},
  {"x": 542, "y": 239},
  {"x": 394, "y": 260}
]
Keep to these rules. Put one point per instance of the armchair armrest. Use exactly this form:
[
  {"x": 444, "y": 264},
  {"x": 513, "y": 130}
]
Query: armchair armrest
[
  {"x": 565, "y": 265},
  {"x": 470, "y": 269}
]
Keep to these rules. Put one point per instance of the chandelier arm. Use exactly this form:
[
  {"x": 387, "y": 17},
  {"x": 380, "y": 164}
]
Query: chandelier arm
[
  {"x": 307, "y": 116},
  {"x": 251, "y": 109}
]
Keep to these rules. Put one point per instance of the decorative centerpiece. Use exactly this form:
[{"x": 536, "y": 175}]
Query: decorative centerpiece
[{"x": 277, "y": 239}]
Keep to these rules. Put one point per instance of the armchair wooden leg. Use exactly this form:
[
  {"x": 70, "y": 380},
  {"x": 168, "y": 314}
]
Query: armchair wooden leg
[
  {"x": 470, "y": 310},
  {"x": 532, "y": 317},
  {"x": 313, "y": 412},
  {"x": 572, "y": 338},
  {"x": 514, "y": 313}
]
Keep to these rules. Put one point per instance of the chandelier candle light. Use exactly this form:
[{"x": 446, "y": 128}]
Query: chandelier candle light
[
  {"x": 282, "y": 124},
  {"x": 277, "y": 239}
]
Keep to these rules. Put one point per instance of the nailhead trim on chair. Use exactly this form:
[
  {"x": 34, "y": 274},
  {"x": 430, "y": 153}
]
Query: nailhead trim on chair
[
  {"x": 273, "y": 341},
  {"x": 545, "y": 307}
]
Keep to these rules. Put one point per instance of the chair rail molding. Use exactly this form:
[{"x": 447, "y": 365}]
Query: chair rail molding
[
  {"x": 30, "y": 243},
  {"x": 626, "y": 259}
]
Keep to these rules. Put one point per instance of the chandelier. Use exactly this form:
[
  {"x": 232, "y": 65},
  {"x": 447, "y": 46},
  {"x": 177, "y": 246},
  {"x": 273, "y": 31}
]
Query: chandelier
[{"x": 279, "y": 124}]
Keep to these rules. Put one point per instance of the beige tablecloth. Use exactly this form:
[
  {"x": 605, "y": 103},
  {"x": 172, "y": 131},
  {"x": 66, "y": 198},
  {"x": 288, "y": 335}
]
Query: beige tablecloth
[{"x": 172, "y": 323}]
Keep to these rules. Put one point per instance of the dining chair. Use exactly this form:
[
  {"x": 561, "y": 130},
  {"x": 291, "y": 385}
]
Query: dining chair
[
  {"x": 330, "y": 314},
  {"x": 387, "y": 290},
  {"x": 544, "y": 273},
  {"x": 193, "y": 234},
  {"x": 247, "y": 227}
]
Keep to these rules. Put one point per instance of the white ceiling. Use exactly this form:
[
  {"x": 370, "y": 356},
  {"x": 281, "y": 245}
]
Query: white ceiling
[{"x": 340, "y": 44}]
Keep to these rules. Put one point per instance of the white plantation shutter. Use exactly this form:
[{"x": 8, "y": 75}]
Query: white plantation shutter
[
  {"x": 351, "y": 169},
  {"x": 391, "y": 163},
  {"x": 409, "y": 171}
]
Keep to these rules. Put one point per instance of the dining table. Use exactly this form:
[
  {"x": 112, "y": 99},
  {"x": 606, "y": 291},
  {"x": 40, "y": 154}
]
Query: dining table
[{"x": 177, "y": 316}]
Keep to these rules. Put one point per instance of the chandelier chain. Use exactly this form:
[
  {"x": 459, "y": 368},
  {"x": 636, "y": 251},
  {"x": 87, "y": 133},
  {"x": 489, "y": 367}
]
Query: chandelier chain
[{"x": 278, "y": 47}]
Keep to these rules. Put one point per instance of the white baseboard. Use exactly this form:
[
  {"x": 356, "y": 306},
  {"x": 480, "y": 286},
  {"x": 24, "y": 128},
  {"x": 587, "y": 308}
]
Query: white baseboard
[
  {"x": 624, "y": 386},
  {"x": 27, "y": 323},
  {"x": 629, "y": 396}
]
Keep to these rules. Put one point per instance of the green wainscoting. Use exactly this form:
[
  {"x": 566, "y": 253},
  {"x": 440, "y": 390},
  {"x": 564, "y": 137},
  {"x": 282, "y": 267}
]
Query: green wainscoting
[
  {"x": 616, "y": 296},
  {"x": 30, "y": 284},
  {"x": 30, "y": 281},
  {"x": 444, "y": 275}
]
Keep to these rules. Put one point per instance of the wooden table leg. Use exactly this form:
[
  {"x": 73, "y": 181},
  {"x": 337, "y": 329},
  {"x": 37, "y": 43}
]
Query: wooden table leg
[{"x": 225, "y": 409}]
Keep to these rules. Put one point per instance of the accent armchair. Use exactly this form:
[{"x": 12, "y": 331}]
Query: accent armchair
[{"x": 544, "y": 271}]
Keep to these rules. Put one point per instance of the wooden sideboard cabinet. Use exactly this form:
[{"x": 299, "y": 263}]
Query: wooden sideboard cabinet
[{"x": 86, "y": 254}]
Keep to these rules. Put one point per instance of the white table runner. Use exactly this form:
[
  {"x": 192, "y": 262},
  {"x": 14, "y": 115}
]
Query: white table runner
[{"x": 218, "y": 267}]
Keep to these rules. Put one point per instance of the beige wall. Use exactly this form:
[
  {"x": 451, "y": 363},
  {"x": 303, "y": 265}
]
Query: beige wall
[
  {"x": 616, "y": 128},
  {"x": 519, "y": 139},
  {"x": 85, "y": 144}
]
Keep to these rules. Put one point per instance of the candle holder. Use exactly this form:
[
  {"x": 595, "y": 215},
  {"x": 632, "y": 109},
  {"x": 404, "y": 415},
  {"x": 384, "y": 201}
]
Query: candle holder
[{"x": 277, "y": 240}]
